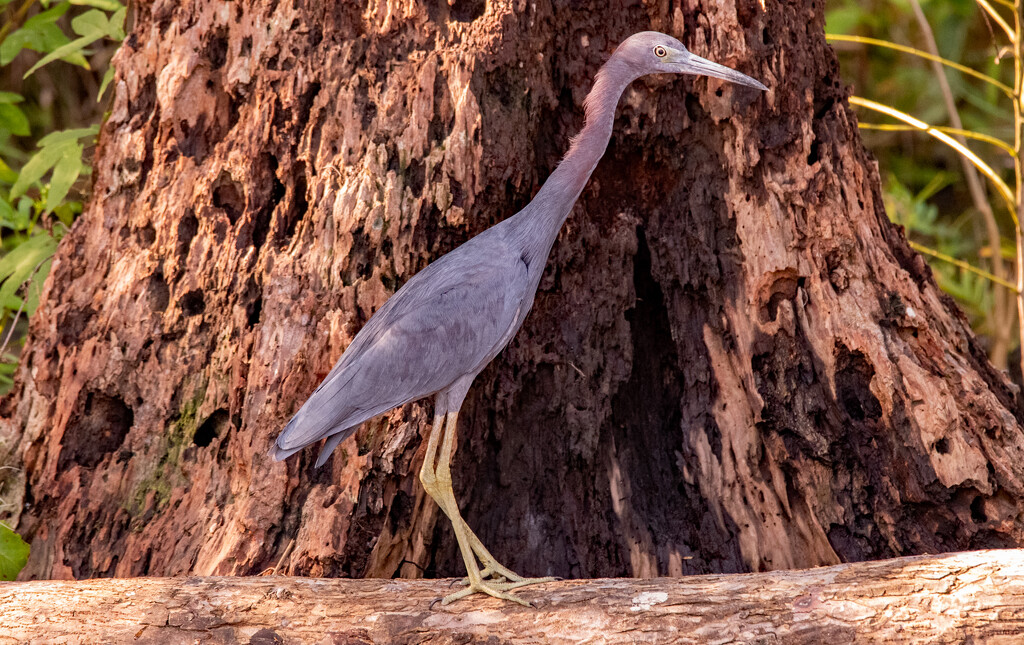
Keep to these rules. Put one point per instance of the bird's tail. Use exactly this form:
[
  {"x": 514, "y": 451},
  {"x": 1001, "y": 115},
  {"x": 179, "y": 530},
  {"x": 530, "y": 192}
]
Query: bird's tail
[
  {"x": 277, "y": 453},
  {"x": 334, "y": 437},
  {"x": 325, "y": 415},
  {"x": 329, "y": 445}
]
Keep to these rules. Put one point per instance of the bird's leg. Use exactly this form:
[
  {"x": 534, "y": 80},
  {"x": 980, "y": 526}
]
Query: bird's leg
[
  {"x": 491, "y": 566},
  {"x": 469, "y": 543},
  {"x": 428, "y": 472},
  {"x": 427, "y": 475}
]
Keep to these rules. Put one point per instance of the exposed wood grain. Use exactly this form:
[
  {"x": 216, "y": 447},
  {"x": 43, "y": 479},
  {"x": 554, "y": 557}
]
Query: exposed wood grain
[{"x": 954, "y": 598}]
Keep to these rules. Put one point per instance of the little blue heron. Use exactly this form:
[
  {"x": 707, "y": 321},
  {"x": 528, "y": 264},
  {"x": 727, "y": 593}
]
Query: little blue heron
[{"x": 452, "y": 318}]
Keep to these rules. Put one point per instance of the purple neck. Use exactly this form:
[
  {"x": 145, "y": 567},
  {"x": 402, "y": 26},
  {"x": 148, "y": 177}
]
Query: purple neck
[{"x": 537, "y": 225}]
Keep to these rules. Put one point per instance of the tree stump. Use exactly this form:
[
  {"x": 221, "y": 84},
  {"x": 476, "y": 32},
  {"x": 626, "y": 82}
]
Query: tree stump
[{"x": 734, "y": 363}]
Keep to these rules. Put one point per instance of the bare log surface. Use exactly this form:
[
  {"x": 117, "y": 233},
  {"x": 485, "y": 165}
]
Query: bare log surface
[{"x": 974, "y": 596}]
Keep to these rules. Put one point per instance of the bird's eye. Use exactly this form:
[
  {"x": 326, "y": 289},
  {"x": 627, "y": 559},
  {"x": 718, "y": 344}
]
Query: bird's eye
[{"x": 660, "y": 52}]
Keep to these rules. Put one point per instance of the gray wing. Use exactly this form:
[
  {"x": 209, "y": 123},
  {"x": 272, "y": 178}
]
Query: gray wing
[{"x": 448, "y": 321}]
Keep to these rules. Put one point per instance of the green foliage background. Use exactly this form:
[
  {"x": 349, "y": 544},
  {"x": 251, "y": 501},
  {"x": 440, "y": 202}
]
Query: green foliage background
[
  {"x": 54, "y": 69},
  {"x": 922, "y": 179}
]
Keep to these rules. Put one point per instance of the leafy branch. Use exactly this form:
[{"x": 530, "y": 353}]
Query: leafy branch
[
  {"x": 39, "y": 170},
  {"x": 989, "y": 292}
]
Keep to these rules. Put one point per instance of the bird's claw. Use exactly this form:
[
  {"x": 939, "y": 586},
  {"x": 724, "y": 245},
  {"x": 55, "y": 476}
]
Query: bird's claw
[
  {"x": 488, "y": 572},
  {"x": 497, "y": 588}
]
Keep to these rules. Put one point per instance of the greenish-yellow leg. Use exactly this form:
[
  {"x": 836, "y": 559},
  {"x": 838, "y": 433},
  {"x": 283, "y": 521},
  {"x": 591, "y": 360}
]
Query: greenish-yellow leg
[{"x": 437, "y": 481}]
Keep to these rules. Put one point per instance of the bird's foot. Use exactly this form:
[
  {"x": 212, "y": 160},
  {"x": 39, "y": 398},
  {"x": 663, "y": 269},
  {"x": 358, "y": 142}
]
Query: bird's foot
[
  {"x": 493, "y": 578},
  {"x": 492, "y": 569},
  {"x": 500, "y": 574},
  {"x": 496, "y": 573},
  {"x": 488, "y": 573},
  {"x": 496, "y": 588}
]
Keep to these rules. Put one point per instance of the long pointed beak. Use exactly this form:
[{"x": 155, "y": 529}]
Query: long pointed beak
[{"x": 701, "y": 66}]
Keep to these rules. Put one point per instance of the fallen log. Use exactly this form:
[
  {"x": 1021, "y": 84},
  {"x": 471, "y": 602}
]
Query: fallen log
[{"x": 975, "y": 596}]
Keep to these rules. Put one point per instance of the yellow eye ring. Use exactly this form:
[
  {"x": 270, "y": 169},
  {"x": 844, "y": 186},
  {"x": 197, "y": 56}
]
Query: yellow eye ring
[{"x": 660, "y": 52}]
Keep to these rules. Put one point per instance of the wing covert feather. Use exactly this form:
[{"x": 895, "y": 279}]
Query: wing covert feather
[{"x": 448, "y": 321}]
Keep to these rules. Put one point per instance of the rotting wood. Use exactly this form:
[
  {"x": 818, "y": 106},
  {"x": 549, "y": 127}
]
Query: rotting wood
[
  {"x": 974, "y": 596},
  {"x": 734, "y": 363}
]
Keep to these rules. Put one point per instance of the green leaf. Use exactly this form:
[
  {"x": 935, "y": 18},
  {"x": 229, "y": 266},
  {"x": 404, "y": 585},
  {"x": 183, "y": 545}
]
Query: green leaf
[
  {"x": 12, "y": 303},
  {"x": 14, "y": 120},
  {"x": 40, "y": 164},
  {"x": 64, "y": 175},
  {"x": 49, "y": 16},
  {"x": 52, "y": 149},
  {"x": 24, "y": 220},
  {"x": 66, "y": 214},
  {"x": 117, "y": 24},
  {"x": 7, "y": 175},
  {"x": 97, "y": 23},
  {"x": 5, "y": 374},
  {"x": 106, "y": 5},
  {"x": 34, "y": 290},
  {"x": 845, "y": 20},
  {"x": 39, "y": 33},
  {"x": 13, "y": 553},
  {"x": 91, "y": 23},
  {"x": 11, "y": 217},
  {"x": 41, "y": 38},
  {"x": 68, "y": 135},
  {"x": 11, "y": 97},
  {"x": 107, "y": 77},
  {"x": 17, "y": 266},
  {"x": 74, "y": 47}
]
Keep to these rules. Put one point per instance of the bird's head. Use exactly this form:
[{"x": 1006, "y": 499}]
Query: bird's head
[{"x": 651, "y": 52}]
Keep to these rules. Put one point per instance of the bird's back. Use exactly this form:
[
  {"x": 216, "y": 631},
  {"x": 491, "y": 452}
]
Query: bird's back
[{"x": 447, "y": 322}]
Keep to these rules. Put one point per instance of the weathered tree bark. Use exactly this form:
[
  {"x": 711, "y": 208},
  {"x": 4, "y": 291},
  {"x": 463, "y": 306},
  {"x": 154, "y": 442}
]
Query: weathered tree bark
[
  {"x": 975, "y": 597},
  {"x": 735, "y": 363}
]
